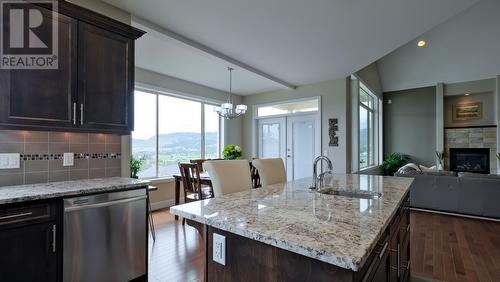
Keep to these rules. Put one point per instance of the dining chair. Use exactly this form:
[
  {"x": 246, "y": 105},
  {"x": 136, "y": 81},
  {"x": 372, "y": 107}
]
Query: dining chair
[
  {"x": 200, "y": 162},
  {"x": 191, "y": 184},
  {"x": 229, "y": 176},
  {"x": 271, "y": 171},
  {"x": 254, "y": 173}
]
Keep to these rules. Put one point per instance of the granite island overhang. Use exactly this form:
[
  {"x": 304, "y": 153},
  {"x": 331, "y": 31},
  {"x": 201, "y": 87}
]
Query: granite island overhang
[{"x": 340, "y": 231}]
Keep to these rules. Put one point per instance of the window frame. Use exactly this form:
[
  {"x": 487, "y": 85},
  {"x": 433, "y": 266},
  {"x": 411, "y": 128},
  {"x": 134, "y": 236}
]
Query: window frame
[
  {"x": 173, "y": 94},
  {"x": 374, "y": 134},
  {"x": 371, "y": 127}
]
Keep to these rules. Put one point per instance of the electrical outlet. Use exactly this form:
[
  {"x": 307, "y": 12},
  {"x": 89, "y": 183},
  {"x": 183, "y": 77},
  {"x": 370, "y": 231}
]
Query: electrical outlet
[
  {"x": 8, "y": 161},
  {"x": 219, "y": 249},
  {"x": 68, "y": 159}
]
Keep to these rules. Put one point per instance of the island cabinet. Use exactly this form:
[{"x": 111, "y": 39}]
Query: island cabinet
[
  {"x": 92, "y": 87},
  {"x": 30, "y": 242},
  {"x": 250, "y": 260}
]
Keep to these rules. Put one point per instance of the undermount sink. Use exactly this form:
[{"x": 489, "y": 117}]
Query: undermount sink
[{"x": 351, "y": 193}]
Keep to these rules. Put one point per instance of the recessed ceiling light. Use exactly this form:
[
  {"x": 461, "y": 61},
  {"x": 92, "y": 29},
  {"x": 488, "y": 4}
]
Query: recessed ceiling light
[
  {"x": 421, "y": 43},
  {"x": 467, "y": 94}
]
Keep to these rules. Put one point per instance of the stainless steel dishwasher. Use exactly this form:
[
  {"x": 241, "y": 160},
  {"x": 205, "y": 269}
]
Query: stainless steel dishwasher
[{"x": 105, "y": 237}]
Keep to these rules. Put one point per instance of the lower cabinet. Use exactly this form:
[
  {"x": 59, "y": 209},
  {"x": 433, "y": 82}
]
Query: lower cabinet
[
  {"x": 391, "y": 261},
  {"x": 29, "y": 243}
]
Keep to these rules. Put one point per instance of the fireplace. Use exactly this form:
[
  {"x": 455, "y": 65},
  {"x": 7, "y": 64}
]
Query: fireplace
[{"x": 470, "y": 160}]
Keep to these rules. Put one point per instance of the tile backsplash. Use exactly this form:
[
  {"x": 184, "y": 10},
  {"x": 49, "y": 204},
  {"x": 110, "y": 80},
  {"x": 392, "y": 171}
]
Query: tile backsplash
[{"x": 96, "y": 155}]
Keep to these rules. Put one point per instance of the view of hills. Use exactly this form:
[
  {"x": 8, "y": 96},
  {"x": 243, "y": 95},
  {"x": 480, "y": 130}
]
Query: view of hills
[{"x": 173, "y": 148}]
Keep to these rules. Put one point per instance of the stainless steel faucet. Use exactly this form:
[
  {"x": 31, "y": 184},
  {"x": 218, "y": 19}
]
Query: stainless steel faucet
[{"x": 318, "y": 181}]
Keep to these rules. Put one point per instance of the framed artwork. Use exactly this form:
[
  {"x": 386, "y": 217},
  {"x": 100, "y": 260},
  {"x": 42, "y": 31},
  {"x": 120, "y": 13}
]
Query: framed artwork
[
  {"x": 467, "y": 111},
  {"x": 333, "y": 127}
]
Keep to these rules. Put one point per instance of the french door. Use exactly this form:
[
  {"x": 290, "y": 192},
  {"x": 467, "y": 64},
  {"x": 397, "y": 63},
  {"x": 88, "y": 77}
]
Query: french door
[{"x": 296, "y": 139}]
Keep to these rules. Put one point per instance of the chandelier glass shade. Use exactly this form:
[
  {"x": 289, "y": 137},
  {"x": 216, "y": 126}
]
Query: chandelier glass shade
[{"x": 227, "y": 110}]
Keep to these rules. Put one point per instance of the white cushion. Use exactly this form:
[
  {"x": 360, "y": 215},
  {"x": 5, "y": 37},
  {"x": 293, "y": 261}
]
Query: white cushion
[
  {"x": 428, "y": 169},
  {"x": 229, "y": 176},
  {"x": 271, "y": 171}
]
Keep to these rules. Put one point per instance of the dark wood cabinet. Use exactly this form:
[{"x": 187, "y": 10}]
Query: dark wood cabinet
[
  {"x": 105, "y": 78},
  {"x": 43, "y": 97},
  {"x": 399, "y": 261},
  {"x": 29, "y": 242},
  {"x": 92, "y": 88}
]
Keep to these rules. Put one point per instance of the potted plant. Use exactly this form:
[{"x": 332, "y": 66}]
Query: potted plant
[
  {"x": 440, "y": 156},
  {"x": 393, "y": 162},
  {"x": 232, "y": 152},
  {"x": 135, "y": 166}
]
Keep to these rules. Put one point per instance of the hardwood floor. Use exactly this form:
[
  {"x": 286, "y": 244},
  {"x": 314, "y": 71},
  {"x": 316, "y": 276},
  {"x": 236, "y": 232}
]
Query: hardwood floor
[
  {"x": 443, "y": 247},
  {"x": 178, "y": 253},
  {"x": 450, "y": 248}
]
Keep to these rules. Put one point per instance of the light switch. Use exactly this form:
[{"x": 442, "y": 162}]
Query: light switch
[
  {"x": 68, "y": 159},
  {"x": 8, "y": 161},
  {"x": 219, "y": 249}
]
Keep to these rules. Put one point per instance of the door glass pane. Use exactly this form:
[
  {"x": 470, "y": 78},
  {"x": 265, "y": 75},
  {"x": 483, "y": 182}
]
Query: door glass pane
[
  {"x": 271, "y": 140},
  {"x": 144, "y": 134},
  {"x": 303, "y": 148},
  {"x": 179, "y": 131},
  {"x": 363, "y": 137},
  {"x": 212, "y": 142}
]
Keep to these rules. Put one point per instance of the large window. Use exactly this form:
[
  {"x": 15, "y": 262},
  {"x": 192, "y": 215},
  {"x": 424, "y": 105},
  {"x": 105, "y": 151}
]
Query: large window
[
  {"x": 169, "y": 130},
  {"x": 366, "y": 126}
]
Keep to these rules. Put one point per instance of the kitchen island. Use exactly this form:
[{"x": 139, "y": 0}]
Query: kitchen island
[{"x": 285, "y": 232}]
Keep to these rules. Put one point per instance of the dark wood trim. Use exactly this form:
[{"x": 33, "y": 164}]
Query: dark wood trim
[
  {"x": 475, "y": 126},
  {"x": 92, "y": 17}
]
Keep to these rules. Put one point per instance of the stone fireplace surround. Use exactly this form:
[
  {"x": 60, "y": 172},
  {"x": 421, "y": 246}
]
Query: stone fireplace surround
[{"x": 472, "y": 137}]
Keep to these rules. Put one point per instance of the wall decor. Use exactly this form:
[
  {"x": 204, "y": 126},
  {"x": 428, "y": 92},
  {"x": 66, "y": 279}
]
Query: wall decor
[
  {"x": 332, "y": 132},
  {"x": 467, "y": 111}
]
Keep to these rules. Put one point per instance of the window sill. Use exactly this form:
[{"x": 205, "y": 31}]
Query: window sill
[
  {"x": 368, "y": 168},
  {"x": 159, "y": 180}
]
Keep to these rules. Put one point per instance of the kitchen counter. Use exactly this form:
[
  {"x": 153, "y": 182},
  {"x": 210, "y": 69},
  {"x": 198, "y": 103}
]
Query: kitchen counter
[
  {"x": 337, "y": 230},
  {"x": 23, "y": 193}
]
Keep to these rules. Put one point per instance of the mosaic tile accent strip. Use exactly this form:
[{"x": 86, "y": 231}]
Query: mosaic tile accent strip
[{"x": 48, "y": 157}]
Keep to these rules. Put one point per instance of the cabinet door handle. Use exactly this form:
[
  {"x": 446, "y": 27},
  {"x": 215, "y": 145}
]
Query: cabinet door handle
[
  {"x": 81, "y": 114},
  {"x": 399, "y": 261},
  {"x": 16, "y": 215},
  {"x": 54, "y": 234},
  {"x": 382, "y": 252},
  {"x": 74, "y": 113}
]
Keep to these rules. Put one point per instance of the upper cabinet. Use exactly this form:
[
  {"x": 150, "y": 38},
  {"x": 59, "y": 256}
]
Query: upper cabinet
[
  {"x": 43, "y": 97},
  {"x": 105, "y": 78},
  {"x": 92, "y": 87}
]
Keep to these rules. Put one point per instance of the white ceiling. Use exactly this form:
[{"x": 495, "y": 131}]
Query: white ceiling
[
  {"x": 160, "y": 53},
  {"x": 465, "y": 48},
  {"x": 298, "y": 41}
]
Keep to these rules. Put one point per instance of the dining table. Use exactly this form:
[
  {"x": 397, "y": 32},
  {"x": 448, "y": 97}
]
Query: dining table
[{"x": 204, "y": 179}]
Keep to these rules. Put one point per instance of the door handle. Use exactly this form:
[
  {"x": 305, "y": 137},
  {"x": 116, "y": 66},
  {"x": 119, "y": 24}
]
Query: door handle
[
  {"x": 81, "y": 114},
  {"x": 74, "y": 113}
]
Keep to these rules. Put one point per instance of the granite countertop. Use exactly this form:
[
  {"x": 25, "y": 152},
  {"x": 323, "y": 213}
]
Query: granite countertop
[
  {"x": 22, "y": 193},
  {"x": 338, "y": 230}
]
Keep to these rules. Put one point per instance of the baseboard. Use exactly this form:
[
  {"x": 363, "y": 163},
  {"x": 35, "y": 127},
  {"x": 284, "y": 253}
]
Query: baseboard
[
  {"x": 162, "y": 204},
  {"x": 456, "y": 214}
]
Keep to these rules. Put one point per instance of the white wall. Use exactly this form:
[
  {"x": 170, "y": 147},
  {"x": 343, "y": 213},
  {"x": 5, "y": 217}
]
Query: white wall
[
  {"x": 334, "y": 105},
  {"x": 463, "y": 48}
]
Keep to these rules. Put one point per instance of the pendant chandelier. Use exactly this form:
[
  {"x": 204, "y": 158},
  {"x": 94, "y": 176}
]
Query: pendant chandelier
[{"x": 228, "y": 110}]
